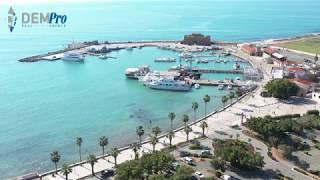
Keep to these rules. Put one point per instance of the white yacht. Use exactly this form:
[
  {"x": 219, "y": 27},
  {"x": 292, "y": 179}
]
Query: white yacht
[
  {"x": 186, "y": 55},
  {"x": 150, "y": 77},
  {"x": 73, "y": 56},
  {"x": 169, "y": 84},
  {"x": 165, "y": 59},
  {"x": 229, "y": 87}
]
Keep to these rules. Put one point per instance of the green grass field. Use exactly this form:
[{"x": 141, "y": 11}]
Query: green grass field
[{"x": 311, "y": 45}]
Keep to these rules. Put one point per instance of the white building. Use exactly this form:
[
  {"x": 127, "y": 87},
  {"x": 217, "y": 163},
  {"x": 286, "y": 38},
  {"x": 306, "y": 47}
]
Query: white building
[{"x": 277, "y": 73}]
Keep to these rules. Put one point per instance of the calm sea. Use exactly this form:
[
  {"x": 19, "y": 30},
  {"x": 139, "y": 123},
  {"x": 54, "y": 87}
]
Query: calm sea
[{"x": 46, "y": 105}]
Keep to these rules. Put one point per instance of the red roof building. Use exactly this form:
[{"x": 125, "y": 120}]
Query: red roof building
[
  {"x": 302, "y": 81},
  {"x": 304, "y": 86},
  {"x": 290, "y": 62},
  {"x": 296, "y": 69},
  {"x": 249, "y": 49},
  {"x": 268, "y": 51}
]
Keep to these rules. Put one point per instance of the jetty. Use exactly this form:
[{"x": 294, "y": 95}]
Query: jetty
[
  {"x": 233, "y": 71},
  {"x": 212, "y": 82}
]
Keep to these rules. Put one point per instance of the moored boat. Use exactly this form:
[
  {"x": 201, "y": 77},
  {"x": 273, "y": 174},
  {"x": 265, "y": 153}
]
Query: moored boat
[
  {"x": 220, "y": 87},
  {"x": 73, "y": 56},
  {"x": 136, "y": 73},
  {"x": 165, "y": 59},
  {"x": 169, "y": 84},
  {"x": 103, "y": 56}
]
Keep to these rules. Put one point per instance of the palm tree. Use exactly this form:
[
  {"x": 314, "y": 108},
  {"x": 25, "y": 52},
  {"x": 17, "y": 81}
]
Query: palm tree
[
  {"x": 92, "y": 160},
  {"x": 195, "y": 106},
  {"x": 154, "y": 141},
  {"x": 114, "y": 153},
  {"x": 156, "y": 131},
  {"x": 238, "y": 92},
  {"x": 140, "y": 132},
  {"x": 79, "y": 143},
  {"x": 66, "y": 170},
  {"x": 135, "y": 148},
  {"x": 171, "y": 117},
  {"x": 203, "y": 126},
  {"x": 187, "y": 130},
  {"x": 103, "y": 141},
  {"x": 206, "y": 99},
  {"x": 231, "y": 96},
  {"x": 170, "y": 136},
  {"x": 224, "y": 99},
  {"x": 185, "y": 119},
  {"x": 55, "y": 158}
]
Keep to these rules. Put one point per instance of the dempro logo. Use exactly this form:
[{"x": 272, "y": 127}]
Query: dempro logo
[
  {"x": 29, "y": 19},
  {"x": 12, "y": 19}
]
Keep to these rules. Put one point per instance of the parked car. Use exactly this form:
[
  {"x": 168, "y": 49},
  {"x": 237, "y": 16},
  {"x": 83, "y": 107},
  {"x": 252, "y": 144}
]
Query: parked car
[
  {"x": 107, "y": 174},
  {"x": 184, "y": 153},
  {"x": 188, "y": 160},
  {"x": 199, "y": 174}
]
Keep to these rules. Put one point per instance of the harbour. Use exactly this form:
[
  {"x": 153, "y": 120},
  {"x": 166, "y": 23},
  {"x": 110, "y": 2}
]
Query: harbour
[{"x": 48, "y": 101}]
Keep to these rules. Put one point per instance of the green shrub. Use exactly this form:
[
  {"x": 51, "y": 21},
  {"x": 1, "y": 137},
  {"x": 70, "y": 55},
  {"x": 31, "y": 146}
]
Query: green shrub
[
  {"x": 313, "y": 112},
  {"x": 195, "y": 147}
]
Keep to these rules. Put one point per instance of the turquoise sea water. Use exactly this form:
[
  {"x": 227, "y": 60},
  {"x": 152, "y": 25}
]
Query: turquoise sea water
[{"x": 45, "y": 105}]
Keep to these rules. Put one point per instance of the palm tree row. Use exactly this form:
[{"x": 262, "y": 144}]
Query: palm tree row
[
  {"x": 92, "y": 159},
  {"x": 104, "y": 141},
  {"x": 231, "y": 96}
]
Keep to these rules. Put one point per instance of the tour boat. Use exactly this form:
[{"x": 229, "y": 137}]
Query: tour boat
[
  {"x": 169, "y": 84},
  {"x": 73, "y": 56},
  {"x": 135, "y": 73}
]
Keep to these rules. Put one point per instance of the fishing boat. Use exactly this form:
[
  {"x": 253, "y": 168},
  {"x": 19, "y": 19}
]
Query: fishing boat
[
  {"x": 237, "y": 79},
  {"x": 236, "y": 66},
  {"x": 220, "y": 87},
  {"x": 103, "y": 56},
  {"x": 197, "y": 86},
  {"x": 202, "y": 61}
]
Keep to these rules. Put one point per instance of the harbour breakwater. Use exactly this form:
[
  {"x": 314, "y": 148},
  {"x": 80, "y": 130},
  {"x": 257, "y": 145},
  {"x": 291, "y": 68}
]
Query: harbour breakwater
[{"x": 96, "y": 47}]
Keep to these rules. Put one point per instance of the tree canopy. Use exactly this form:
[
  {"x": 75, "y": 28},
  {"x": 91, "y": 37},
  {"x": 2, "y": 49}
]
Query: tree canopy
[
  {"x": 239, "y": 154},
  {"x": 282, "y": 88},
  {"x": 148, "y": 165}
]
